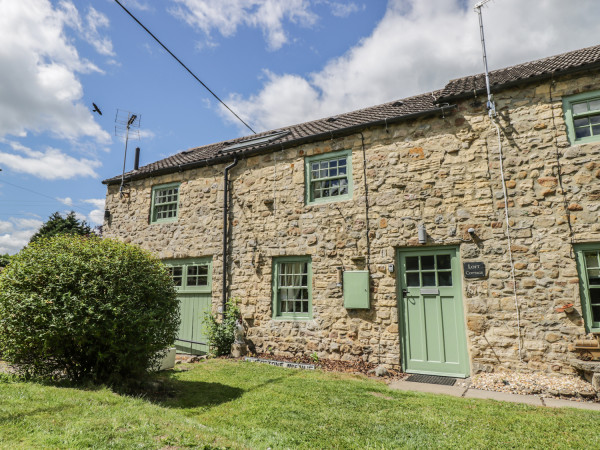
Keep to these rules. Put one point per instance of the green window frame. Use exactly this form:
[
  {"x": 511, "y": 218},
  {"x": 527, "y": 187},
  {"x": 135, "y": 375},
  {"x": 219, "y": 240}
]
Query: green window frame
[
  {"x": 191, "y": 275},
  {"x": 582, "y": 117},
  {"x": 588, "y": 267},
  {"x": 165, "y": 203},
  {"x": 328, "y": 177},
  {"x": 292, "y": 288}
]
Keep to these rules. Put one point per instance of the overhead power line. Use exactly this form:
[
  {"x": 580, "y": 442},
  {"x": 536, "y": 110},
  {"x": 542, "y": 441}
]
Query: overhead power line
[
  {"x": 74, "y": 206},
  {"x": 184, "y": 66}
]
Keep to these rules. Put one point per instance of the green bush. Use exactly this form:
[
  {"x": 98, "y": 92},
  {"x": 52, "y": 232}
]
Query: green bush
[
  {"x": 85, "y": 308},
  {"x": 221, "y": 332}
]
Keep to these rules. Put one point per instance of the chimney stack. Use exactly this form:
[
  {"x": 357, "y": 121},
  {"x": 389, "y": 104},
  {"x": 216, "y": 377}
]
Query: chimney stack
[{"x": 136, "y": 163}]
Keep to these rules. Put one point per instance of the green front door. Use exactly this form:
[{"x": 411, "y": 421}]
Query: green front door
[
  {"x": 192, "y": 279},
  {"x": 192, "y": 334},
  {"x": 432, "y": 335}
]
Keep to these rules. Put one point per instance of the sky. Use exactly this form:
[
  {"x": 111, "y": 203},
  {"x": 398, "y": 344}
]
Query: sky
[{"x": 274, "y": 62}]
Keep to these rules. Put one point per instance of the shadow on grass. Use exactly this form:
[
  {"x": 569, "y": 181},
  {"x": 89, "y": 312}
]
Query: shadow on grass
[
  {"x": 195, "y": 394},
  {"x": 15, "y": 417}
]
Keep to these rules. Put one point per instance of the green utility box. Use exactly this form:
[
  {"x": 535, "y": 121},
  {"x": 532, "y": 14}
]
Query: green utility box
[{"x": 356, "y": 289}]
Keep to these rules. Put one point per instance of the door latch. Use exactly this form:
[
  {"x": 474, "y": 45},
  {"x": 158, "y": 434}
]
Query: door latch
[{"x": 404, "y": 292}]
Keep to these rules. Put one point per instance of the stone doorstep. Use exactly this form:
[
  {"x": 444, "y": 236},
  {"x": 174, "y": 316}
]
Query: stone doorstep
[
  {"x": 471, "y": 393},
  {"x": 401, "y": 385}
]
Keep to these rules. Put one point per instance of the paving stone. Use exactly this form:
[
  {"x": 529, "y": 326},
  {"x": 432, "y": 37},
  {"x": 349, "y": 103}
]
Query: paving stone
[
  {"x": 504, "y": 397},
  {"x": 560, "y": 403}
]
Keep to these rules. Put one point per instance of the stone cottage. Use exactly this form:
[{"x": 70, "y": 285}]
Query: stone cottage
[{"x": 421, "y": 233}]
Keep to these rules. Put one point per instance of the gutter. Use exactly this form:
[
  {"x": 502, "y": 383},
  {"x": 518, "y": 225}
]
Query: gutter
[
  {"x": 279, "y": 145},
  {"x": 225, "y": 214}
]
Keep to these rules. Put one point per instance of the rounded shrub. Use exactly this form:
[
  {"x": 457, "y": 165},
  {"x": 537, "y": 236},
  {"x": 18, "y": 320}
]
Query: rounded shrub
[
  {"x": 220, "y": 329},
  {"x": 85, "y": 308}
]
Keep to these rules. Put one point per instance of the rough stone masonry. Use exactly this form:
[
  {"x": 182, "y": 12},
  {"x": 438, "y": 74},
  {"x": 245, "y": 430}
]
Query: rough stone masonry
[{"x": 441, "y": 171}]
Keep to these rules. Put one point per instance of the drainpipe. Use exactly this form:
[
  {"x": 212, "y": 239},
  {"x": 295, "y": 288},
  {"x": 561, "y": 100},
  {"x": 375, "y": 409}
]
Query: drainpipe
[{"x": 225, "y": 214}]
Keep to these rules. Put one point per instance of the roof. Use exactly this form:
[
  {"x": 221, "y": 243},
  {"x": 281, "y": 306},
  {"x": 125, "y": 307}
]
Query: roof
[
  {"x": 420, "y": 105},
  {"x": 290, "y": 136},
  {"x": 584, "y": 58}
]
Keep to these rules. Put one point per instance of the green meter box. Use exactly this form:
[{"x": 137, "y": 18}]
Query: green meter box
[{"x": 356, "y": 289}]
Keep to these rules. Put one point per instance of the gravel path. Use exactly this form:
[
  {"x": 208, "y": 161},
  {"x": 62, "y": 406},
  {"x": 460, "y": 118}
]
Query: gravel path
[{"x": 558, "y": 386}]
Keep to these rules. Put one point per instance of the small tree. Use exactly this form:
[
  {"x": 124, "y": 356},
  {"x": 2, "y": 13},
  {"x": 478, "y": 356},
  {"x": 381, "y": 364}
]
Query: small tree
[
  {"x": 4, "y": 260},
  {"x": 57, "y": 224},
  {"x": 86, "y": 308},
  {"x": 221, "y": 332}
]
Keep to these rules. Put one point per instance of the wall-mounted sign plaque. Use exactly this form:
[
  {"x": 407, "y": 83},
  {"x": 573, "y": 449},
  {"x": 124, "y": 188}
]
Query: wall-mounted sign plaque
[{"x": 474, "y": 269}]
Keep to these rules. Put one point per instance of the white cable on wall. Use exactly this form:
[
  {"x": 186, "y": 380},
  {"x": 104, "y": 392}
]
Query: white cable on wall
[{"x": 510, "y": 256}]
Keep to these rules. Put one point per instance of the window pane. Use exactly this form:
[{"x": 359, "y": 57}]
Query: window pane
[
  {"x": 443, "y": 262},
  {"x": 594, "y": 276},
  {"x": 596, "y": 130},
  {"x": 595, "y": 296},
  {"x": 317, "y": 193},
  {"x": 428, "y": 278},
  {"x": 594, "y": 105},
  {"x": 412, "y": 263},
  {"x": 582, "y": 132},
  {"x": 591, "y": 260},
  {"x": 412, "y": 279},
  {"x": 427, "y": 262},
  {"x": 342, "y": 170},
  {"x": 595, "y": 304},
  {"x": 594, "y": 120},
  {"x": 177, "y": 273},
  {"x": 579, "y": 108},
  {"x": 596, "y": 313},
  {"x": 583, "y": 122},
  {"x": 444, "y": 278}
]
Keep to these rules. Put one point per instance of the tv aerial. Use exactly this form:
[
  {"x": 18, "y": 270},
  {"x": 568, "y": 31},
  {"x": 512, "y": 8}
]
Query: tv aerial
[{"x": 127, "y": 125}]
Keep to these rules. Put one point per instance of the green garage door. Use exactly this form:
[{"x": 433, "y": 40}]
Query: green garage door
[
  {"x": 431, "y": 313},
  {"x": 192, "y": 279}
]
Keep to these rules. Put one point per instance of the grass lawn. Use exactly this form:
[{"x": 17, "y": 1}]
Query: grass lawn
[{"x": 235, "y": 404}]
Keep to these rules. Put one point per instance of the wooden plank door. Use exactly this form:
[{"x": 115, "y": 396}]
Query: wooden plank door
[
  {"x": 192, "y": 337},
  {"x": 432, "y": 334}
]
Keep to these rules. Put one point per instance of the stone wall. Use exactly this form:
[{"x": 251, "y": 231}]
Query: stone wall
[{"x": 443, "y": 172}]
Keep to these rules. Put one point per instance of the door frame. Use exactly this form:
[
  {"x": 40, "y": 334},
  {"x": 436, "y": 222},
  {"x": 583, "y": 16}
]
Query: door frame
[
  {"x": 185, "y": 290},
  {"x": 457, "y": 275}
]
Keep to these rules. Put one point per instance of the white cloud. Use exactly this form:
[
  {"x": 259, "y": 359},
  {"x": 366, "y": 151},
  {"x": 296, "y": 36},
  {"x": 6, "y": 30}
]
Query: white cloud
[
  {"x": 147, "y": 134},
  {"x": 94, "y": 21},
  {"x": 15, "y": 233},
  {"x": 339, "y": 9},
  {"x": 226, "y": 16},
  {"x": 137, "y": 4},
  {"x": 51, "y": 164},
  {"x": 41, "y": 91},
  {"x": 96, "y": 216},
  {"x": 5, "y": 227},
  {"x": 27, "y": 223},
  {"x": 68, "y": 201},
  {"x": 418, "y": 46}
]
